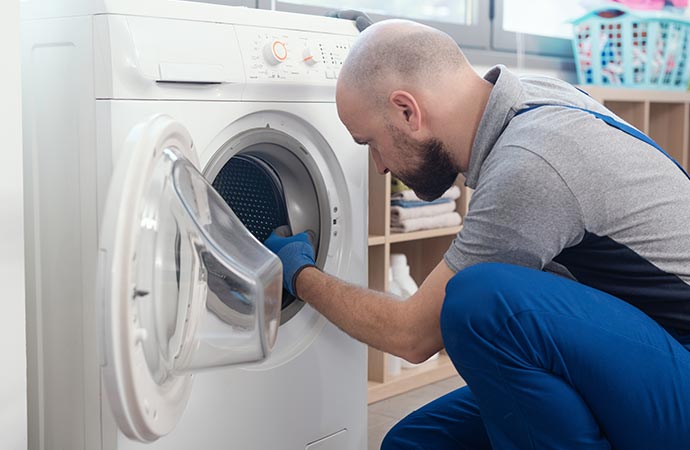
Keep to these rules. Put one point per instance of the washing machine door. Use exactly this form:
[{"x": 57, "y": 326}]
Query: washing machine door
[{"x": 167, "y": 239}]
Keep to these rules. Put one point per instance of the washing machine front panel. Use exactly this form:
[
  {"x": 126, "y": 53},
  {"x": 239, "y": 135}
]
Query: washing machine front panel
[{"x": 168, "y": 239}]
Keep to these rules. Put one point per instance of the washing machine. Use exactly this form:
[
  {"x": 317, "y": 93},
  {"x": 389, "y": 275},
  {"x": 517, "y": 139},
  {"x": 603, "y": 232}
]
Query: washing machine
[{"x": 164, "y": 141}]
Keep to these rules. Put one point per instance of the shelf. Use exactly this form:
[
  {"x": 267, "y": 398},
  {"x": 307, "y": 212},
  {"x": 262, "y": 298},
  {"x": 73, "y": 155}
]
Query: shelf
[
  {"x": 424, "y": 234},
  {"x": 409, "y": 379},
  {"x": 376, "y": 240},
  {"x": 639, "y": 95}
]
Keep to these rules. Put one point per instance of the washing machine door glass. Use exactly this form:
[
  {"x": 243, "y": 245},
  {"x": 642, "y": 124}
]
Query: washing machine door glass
[{"x": 167, "y": 239}]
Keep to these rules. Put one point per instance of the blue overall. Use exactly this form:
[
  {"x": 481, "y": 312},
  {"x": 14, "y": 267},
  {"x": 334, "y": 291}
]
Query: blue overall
[{"x": 552, "y": 364}]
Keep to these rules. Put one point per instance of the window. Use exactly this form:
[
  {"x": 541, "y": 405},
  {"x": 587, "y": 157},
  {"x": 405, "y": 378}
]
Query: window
[
  {"x": 551, "y": 21},
  {"x": 466, "y": 20},
  {"x": 451, "y": 11},
  {"x": 535, "y": 26}
]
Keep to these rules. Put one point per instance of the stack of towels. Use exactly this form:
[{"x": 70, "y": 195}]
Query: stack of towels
[{"x": 410, "y": 213}]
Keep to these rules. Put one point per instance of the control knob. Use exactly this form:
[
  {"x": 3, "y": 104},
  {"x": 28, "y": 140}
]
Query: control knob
[
  {"x": 309, "y": 57},
  {"x": 275, "y": 52}
]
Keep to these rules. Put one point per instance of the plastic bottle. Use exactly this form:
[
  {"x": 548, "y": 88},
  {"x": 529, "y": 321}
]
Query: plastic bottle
[{"x": 400, "y": 276}]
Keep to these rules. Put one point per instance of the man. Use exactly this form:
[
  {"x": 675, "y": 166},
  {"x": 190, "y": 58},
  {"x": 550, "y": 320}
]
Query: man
[{"x": 564, "y": 302}]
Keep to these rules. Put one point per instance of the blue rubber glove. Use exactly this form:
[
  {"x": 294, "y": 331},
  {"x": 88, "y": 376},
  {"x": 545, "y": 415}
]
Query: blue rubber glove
[
  {"x": 295, "y": 252},
  {"x": 362, "y": 21}
]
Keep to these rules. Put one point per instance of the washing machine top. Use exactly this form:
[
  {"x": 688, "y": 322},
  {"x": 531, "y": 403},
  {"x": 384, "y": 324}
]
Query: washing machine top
[{"x": 167, "y": 239}]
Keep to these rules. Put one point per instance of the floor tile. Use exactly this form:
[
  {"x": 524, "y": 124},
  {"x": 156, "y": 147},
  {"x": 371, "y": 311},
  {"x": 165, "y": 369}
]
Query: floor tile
[
  {"x": 398, "y": 407},
  {"x": 374, "y": 420}
]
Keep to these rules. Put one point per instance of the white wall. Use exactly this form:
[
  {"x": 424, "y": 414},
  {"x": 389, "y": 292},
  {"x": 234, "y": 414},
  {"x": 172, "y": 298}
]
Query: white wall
[{"x": 12, "y": 317}]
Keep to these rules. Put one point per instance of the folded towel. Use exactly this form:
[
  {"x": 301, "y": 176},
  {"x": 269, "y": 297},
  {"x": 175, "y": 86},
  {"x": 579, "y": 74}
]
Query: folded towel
[
  {"x": 399, "y": 213},
  {"x": 426, "y": 223},
  {"x": 420, "y": 203},
  {"x": 453, "y": 193},
  {"x": 398, "y": 186}
]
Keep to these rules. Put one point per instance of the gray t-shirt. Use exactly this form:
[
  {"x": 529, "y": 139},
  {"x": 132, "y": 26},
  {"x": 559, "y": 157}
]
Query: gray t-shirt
[{"x": 557, "y": 189}]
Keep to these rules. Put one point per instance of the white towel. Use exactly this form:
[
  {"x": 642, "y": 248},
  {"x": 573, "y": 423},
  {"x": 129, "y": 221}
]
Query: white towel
[
  {"x": 399, "y": 213},
  {"x": 426, "y": 223},
  {"x": 453, "y": 193}
]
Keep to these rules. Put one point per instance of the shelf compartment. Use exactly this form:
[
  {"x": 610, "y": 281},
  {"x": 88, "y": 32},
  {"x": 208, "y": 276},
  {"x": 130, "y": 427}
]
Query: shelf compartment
[
  {"x": 424, "y": 234},
  {"x": 635, "y": 113},
  {"x": 409, "y": 379},
  {"x": 666, "y": 119},
  {"x": 378, "y": 267},
  {"x": 376, "y": 368},
  {"x": 423, "y": 255}
]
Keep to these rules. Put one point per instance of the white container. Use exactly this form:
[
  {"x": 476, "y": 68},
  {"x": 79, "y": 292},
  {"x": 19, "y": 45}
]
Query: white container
[
  {"x": 400, "y": 273},
  {"x": 400, "y": 277}
]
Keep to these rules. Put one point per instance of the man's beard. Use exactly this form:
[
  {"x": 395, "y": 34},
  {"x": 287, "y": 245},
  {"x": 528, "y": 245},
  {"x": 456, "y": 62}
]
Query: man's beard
[{"x": 431, "y": 169}]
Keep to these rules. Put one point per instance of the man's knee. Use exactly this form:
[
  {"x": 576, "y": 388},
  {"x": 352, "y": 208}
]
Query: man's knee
[
  {"x": 479, "y": 299},
  {"x": 472, "y": 294}
]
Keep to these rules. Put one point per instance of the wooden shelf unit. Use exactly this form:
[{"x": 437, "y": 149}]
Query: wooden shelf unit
[
  {"x": 424, "y": 250},
  {"x": 663, "y": 115}
]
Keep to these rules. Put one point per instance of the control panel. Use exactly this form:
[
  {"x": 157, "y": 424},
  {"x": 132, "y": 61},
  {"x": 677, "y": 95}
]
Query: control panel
[{"x": 273, "y": 54}]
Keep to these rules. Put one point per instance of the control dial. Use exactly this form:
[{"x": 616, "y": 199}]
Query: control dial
[
  {"x": 275, "y": 52},
  {"x": 309, "y": 57}
]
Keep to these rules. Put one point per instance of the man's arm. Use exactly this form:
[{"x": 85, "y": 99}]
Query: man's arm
[{"x": 409, "y": 329}]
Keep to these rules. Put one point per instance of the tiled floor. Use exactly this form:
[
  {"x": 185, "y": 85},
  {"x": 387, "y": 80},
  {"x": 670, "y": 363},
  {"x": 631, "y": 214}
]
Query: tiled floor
[{"x": 384, "y": 414}]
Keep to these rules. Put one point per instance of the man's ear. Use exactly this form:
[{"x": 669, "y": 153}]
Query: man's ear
[{"x": 406, "y": 110}]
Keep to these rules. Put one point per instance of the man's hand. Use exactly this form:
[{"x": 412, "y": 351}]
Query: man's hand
[
  {"x": 362, "y": 21},
  {"x": 295, "y": 252}
]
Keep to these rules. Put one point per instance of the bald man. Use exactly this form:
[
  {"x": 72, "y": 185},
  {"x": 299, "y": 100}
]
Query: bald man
[{"x": 564, "y": 302}]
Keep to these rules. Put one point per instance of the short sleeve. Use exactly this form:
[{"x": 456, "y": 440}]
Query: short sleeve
[{"x": 522, "y": 213}]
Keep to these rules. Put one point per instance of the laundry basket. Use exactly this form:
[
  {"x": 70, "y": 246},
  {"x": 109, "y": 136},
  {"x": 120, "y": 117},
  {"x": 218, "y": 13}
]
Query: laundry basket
[{"x": 615, "y": 46}]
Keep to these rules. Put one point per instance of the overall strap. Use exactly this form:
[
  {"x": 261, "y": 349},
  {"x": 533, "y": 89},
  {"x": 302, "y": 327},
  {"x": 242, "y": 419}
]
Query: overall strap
[{"x": 614, "y": 123}]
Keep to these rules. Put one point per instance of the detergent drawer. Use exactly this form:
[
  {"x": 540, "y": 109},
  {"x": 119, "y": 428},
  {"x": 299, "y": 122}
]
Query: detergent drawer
[{"x": 154, "y": 58}]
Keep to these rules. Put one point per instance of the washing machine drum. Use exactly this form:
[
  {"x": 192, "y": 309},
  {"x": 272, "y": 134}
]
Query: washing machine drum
[{"x": 256, "y": 194}]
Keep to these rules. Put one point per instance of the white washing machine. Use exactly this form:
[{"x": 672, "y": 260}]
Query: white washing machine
[{"x": 155, "y": 319}]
